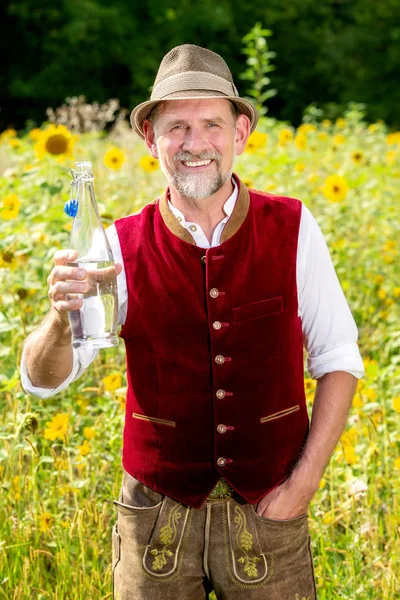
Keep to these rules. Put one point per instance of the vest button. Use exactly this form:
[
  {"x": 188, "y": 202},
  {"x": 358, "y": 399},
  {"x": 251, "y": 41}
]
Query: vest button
[
  {"x": 221, "y": 462},
  {"x": 219, "y": 359},
  {"x": 214, "y": 293},
  {"x": 221, "y": 394},
  {"x": 221, "y": 429},
  {"x": 204, "y": 259},
  {"x": 193, "y": 227},
  {"x": 217, "y": 325}
]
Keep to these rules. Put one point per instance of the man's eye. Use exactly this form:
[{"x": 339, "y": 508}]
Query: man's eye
[
  {"x": 212, "y": 125},
  {"x": 177, "y": 127}
]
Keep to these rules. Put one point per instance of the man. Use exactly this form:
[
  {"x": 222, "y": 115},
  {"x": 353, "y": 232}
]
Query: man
[{"x": 219, "y": 287}]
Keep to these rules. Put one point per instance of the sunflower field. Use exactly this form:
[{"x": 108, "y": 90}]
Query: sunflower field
[{"x": 60, "y": 458}]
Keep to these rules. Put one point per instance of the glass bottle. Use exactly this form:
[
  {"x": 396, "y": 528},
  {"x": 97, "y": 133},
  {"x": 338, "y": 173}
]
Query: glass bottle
[{"x": 94, "y": 325}]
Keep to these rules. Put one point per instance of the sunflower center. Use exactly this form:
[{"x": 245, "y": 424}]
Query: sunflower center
[
  {"x": 336, "y": 189},
  {"x": 8, "y": 256},
  {"x": 57, "y": 144}
]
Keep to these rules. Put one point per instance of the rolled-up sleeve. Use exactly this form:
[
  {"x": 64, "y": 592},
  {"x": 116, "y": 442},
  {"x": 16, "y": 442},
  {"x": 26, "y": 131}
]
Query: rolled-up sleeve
[
  {"x": 330, "y": 333},
  {"x": 82, "y": 357}
]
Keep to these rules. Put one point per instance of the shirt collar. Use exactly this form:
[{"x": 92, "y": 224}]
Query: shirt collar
[{"x": 227, "y": 208}]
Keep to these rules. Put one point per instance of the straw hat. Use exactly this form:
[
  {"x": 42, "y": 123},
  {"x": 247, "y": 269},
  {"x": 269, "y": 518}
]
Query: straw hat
[{"x": 192, "y": 72}]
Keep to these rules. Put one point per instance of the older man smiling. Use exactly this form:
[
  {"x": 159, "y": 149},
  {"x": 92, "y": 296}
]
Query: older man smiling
[{"x": 220, "y": 287}]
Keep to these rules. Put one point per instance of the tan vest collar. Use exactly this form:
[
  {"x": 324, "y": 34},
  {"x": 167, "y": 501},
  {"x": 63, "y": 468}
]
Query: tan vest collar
[{"x": 234, "y": 222}]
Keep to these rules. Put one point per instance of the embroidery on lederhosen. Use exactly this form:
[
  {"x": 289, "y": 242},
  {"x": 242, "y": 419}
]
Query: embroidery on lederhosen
[
  {"x": 248, "y": 561},
  {"x": 161, "y": 555}
]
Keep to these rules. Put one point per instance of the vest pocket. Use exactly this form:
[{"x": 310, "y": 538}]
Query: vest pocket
[
  {"x": 280, "y": 413},
  {"x": 154, "y": 420},
  {"x": 256, "y": 310}
]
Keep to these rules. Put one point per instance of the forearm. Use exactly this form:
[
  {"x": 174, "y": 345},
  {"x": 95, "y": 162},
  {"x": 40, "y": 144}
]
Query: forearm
[
  {"x": 48, "y": 352},
  {"x": 332, "y": 402}
]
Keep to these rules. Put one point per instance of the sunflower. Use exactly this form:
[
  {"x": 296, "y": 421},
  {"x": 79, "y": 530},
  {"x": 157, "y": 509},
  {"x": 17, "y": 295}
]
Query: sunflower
[
  {"x": 306, "y": 127},
  {"x": 84, "y": 449},
  {"x": 7, "y": 134},
  {"x": 357, "y": 156},
  {"x": 335, "y": 188},
  {"x": 339, "y": 139},
  {"x": 55, "y": 140},
  {"x": 114, "y": 158},
  {"x": 112, "y": 382},
  {"x": 15, "y": 143},
  {"x": 299, "y": 167},
  {"x": 301, "y": 141},
  {"x": 340, "y": 123},
  {"x": 393, "y": 138},
  {"x": 148, "y": 164},
  {"x": 322, "y": 135},
  {"x": 89, "y": 433},
  {"x": 10, "y": 207},
  {"x": 326, "y": 123},
  {"x": 285, "y": 136},
  {"x": 35, "y": 134},
  {"x": 46, "y": 522},
  {"x": 256, "y": 141},
  {"x": 57, "y": 428},
  {"x": 8, "y": 260}
]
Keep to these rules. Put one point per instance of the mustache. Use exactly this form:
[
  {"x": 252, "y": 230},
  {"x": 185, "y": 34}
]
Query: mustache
[{"x": 206, "y": 155}]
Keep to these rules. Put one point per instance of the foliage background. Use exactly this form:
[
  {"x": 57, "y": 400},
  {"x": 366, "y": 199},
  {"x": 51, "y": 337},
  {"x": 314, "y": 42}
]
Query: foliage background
[{"x": 329, "y": 52}]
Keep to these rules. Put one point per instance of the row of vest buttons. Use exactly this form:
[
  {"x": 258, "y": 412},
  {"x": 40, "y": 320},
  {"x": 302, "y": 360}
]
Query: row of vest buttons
[{"x": 219, "y": 359}]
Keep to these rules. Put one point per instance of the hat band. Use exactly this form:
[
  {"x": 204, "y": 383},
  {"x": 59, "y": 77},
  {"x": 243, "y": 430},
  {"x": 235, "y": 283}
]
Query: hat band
[{"x": 193, "y": 80}]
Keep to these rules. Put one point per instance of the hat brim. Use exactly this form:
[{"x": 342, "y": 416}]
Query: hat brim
[{"x": 141, "y": 112}]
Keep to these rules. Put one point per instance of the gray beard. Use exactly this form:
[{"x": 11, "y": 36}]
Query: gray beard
[{"x": 197, "y": 186}]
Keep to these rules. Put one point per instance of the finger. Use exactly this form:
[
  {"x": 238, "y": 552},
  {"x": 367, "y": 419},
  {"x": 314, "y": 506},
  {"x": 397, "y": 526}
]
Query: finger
[
  {"x": 63, "y": 307},
  {"x": 62, "y": 273},
  {"x": 118, "y": 268},
  {"x": 61, "y": 257},
  {"x": 61, "y": 288}
]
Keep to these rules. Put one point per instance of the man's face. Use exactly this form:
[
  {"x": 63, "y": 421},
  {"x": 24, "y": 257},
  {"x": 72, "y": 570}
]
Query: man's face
[{"x": 196, "y": 142}]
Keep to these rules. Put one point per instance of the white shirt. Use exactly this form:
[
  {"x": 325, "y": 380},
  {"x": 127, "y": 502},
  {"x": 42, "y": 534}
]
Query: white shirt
[{"x": 329, "y": 330}]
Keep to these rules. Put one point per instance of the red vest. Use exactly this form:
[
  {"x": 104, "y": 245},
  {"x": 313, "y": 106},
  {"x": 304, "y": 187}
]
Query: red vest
[{"x": 214, "y": 350}]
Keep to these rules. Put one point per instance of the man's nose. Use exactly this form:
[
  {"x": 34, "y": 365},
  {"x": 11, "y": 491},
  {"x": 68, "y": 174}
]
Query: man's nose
[{"x": 195, "y": 140}]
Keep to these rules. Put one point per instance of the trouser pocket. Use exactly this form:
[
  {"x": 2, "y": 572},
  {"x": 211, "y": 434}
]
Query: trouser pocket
[
  {"x": 287, "y": 542},
  {"x": 248, "y": 563},
  {"x": 163, "y": 550}
]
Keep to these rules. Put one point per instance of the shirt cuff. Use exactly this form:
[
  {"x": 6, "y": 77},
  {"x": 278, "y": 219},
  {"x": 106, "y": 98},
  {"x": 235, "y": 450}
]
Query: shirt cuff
[{"x": 343, "y": 358}]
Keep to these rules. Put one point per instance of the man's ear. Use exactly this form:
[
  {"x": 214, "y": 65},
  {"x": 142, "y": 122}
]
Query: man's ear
[
  {"x": 150, "y": 138},
  {"x": 242, "y": 132}
]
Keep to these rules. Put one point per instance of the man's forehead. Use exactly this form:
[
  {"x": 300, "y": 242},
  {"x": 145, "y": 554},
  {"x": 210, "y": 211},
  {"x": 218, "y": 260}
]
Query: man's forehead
[{"x": 180, "y": 108}]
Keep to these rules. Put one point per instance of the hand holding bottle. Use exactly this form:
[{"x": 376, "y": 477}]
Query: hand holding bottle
[{"x": 69, "y": 284}]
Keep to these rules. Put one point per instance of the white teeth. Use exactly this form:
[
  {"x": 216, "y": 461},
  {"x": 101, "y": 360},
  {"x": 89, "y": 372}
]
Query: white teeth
[{"x": 200, "y": 163}]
